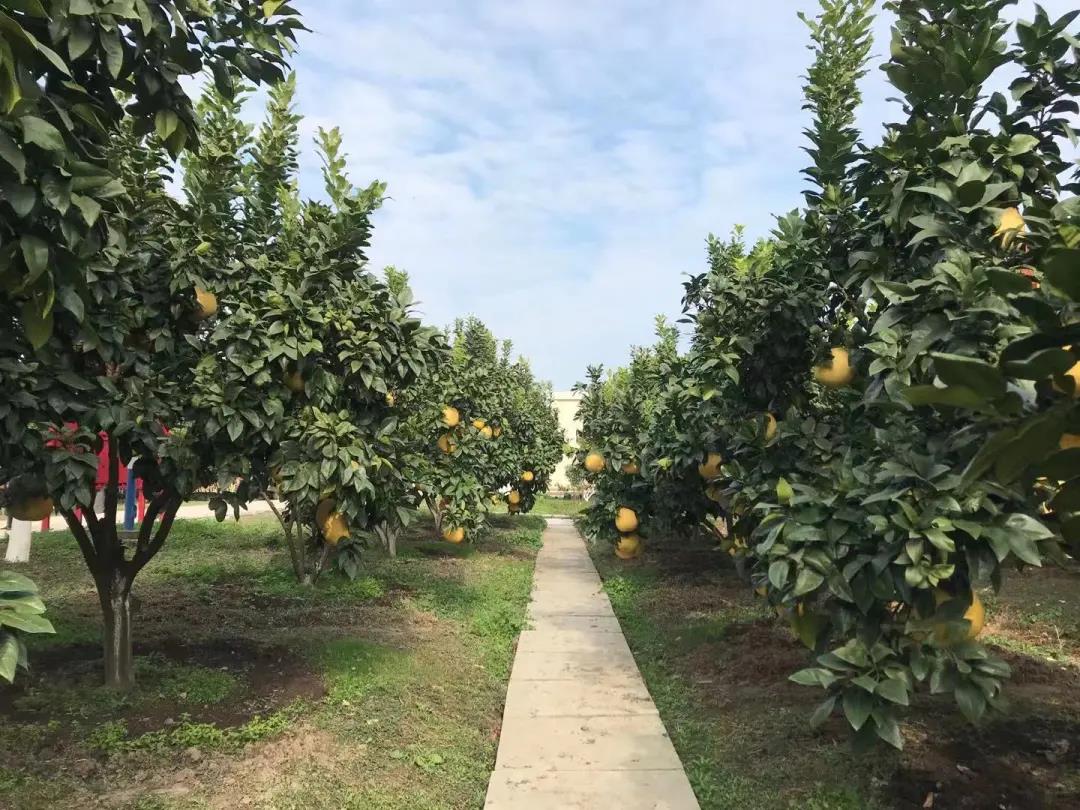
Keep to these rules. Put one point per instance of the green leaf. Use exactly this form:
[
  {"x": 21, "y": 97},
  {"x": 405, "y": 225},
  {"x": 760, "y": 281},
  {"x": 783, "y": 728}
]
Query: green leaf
[
  {"x": 22, "y": 199},
  {"x": 41, "y": 133},
  {"x": 80, "y": 39},
  {"x": 779, "y": 570},
  {"x": 971, "y": 701},
  {"x": 1061, "y": 466},
  {"x": 1023, "y": 540},
  {"x": 1007, "y": 282},
  {"x": 894, "y": 690},
  {"x": 11, "y": 582},
  {"x": 35, "y": 251},
  {"x": 1040, "y": 365},
  {"x": 1022, "y": 144},
  {"x": 1063, "y": 271},
  {"x": 71, "y": 301},
  {"x": 165, "y": 123},
  {"x": 955, "y": 396},
  {"x": 969, "y": 372},
  {"x": 10, "y": 653},
  {"x": 37, "y": 324},
  {"x": 114, "y": 50},
  {"x": 889, "y": 730},
  {"x": 27, "y": 623},
  {"x": 813, "y": 676},
  {"x": 13, "y": 155},
  {"x": 807, "y": 581},
  {"x": 857, "y": 707},
  {"x": 823, "y": 711}
]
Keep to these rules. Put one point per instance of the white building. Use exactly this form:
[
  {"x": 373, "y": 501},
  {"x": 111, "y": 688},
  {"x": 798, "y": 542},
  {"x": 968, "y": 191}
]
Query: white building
[{"x": 566, "y": 404}]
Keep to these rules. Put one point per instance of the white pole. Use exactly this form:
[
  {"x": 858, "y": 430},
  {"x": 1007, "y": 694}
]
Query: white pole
[{"x": 18, "y": 545}]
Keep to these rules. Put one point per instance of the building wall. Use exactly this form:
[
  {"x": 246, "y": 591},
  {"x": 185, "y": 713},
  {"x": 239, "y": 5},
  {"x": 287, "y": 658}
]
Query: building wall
[{"x": 566, "y": 404}]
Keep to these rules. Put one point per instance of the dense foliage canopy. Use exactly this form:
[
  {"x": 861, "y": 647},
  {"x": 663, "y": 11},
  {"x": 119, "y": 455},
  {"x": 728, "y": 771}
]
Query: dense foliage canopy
[{"x": 931, "y": 279}]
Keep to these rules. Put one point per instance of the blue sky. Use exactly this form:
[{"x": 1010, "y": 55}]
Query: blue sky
[{"x": 554, "y": 166}]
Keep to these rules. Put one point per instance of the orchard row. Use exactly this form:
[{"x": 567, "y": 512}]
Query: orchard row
[{"x": 877, "y": 414}]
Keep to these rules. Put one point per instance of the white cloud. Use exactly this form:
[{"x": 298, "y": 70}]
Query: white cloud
[{"x": 554, "y": 166}]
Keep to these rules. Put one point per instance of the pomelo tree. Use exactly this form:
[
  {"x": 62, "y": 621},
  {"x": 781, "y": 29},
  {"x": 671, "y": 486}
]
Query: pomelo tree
[
  {"x": 619, "y": 413},
  {"x": 315, "y": 349},
  {"x": 485, "y": 429},
  {"x": 70, "y": 74},
  {"x": 909, "y": 280},
  {"x": 101, "y": 322}
]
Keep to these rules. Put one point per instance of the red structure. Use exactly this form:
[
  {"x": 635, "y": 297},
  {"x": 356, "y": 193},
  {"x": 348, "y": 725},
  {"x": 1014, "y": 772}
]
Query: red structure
[{"x": 102, "y": 478}]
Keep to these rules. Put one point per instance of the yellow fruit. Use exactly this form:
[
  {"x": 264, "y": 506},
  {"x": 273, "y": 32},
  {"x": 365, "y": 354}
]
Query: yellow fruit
[
  {"x": 486, "y": 431},
  {"x": 838, "y": 373},
  {"x": 496, "y": 431},
  {"x": 205, "y": 304},
  {"x": 626, "y": 519},
  {"x": 446, "y": 443},
  {"x": 478, "y": 424},
  {"x": 1073, "y": 372},
  {"x": 710, "y": 468},
  {"x": 631, "y": 468},
  {"x": 975, "y": 614},
  {"x": 453, "y": 535},
  {"x": 334, "y": 528},
  {"x": 294, "y": 381},
  {"x": 527, "y": 476},
  {"x": 1068, "y": 441},
  {"x": 323, "y": 510},
  {"x": 770, "y": 427},
  {"x": 594, "y": 462},
  {"x": 390, "y": 399},
  {"x": 450, "y": 416},
  {"x": 761, "y": 590},
  {"x": 628, "y": 547},
  {"x": 1010, "y": 225},
  {"x": 32, "y": 509},
  {"x": 513, "y": 508},
  {"x": 784, "y": 491},
  {"x": 513, "y": 497}
]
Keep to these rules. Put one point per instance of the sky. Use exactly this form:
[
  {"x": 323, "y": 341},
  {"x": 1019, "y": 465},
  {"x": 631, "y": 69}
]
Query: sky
[{"x": 554, "y": 166}]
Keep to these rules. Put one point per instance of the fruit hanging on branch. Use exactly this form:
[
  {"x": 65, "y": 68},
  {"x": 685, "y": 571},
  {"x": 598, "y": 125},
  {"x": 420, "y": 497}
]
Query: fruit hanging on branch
[{"x": 626, "y": 520}]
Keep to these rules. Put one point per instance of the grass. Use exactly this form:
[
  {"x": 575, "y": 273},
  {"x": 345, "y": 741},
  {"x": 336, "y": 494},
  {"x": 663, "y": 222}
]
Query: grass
[
  {"x": 384, "y": 692},
  {"x": 716, "y": 662},
  {"x": 547, "y": 505}
]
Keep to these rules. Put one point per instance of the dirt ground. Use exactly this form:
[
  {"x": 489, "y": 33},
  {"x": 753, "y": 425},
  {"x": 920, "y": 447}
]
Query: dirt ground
[
  {"x": 252, "y": 691},
  {"x": 706, "y": 644}
]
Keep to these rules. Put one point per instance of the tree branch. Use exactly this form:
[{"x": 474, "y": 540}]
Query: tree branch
[
  {"x": 285, "y": 527},
  {"x": 146, "y": 528},
  {"x": 112, "y": 485},
  {"x": 143, "y": 554},
  {"x": 86, "y": 545}
]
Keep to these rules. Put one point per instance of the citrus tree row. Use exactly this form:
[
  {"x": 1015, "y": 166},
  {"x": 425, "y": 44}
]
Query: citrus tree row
[
  {"x": 495, "y": 438},
  {"x": 877, "y": 412},
  {"x": 233, "y": 338}
]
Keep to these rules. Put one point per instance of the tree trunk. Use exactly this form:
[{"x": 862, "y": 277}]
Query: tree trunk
[
  {"x": 387, "y": 535},
  {"x": 115, "y": 597}
]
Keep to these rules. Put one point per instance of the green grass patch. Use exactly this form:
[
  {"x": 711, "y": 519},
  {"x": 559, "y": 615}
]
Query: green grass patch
[
  {"x": 728, "y": 747},
  {"x": 403, "y": 671},
  {"x": 113, "y": 738},
  {"x": 197, "y": 685},
  {"x": 547, "y": 505}
]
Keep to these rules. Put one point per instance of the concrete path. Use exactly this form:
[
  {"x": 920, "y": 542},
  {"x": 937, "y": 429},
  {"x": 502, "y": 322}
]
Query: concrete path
[{"x": 580, "y": 730}]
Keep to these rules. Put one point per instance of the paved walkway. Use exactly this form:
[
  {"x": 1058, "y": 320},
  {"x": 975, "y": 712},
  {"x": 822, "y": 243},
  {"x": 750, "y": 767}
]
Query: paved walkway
[{"x": 580, "y": 729}]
